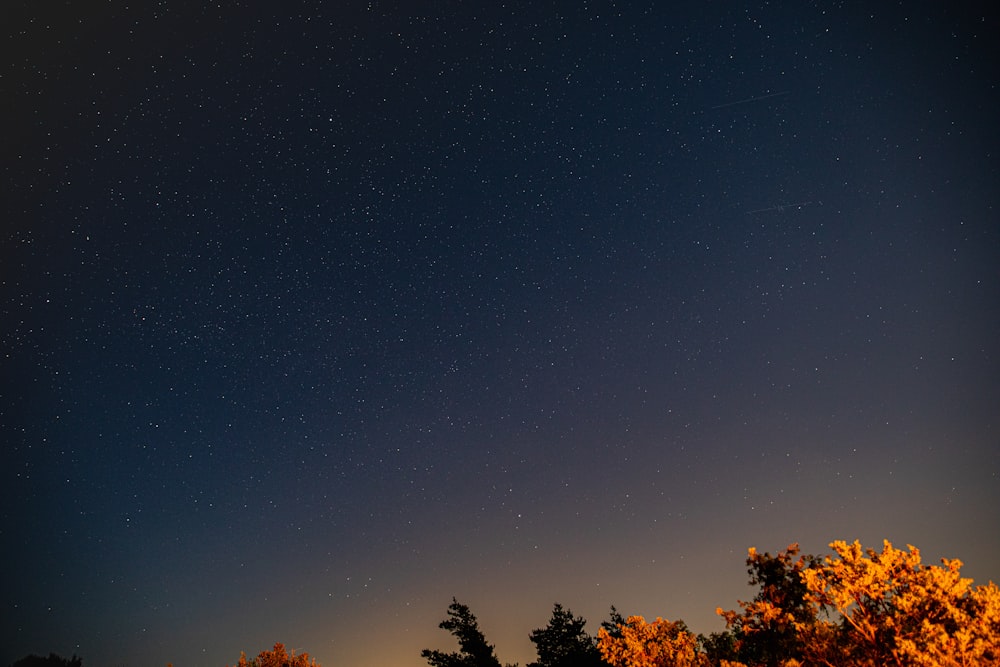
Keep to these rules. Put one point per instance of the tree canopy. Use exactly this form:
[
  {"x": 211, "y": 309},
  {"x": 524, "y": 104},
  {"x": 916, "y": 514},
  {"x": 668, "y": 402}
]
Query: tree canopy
[
  {"x": 52, "y": 660},
  {"x": 765, "y": 636},
  {"x": 856, "y": 608},
  {"x": 653, "y": 644},
  {"x": 894, "y": 610},
  {"x": 564, "y": 642},
  {"x": 277, "y": 657}
]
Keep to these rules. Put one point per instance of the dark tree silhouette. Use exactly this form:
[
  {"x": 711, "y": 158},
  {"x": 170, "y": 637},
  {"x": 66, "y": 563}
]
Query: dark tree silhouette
[
  {"x": 52, "y": 661},
  {"x": 719, "y": 646},
  {"x": 613, "y": 625},
  {"x": 772, "y": 641},
  {"x": 564, "y": 642},
  {"x": 475, "y": 651}
]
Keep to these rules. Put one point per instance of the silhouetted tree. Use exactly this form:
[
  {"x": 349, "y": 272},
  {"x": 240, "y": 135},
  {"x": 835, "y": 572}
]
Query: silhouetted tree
[
  {"x": 52, "y": 661},
  {"x": 771, "y": 639},
  {"x": 565, "y": 642},
  {"x": 719, "y": 647},
  {"x": 475, "y": 651},
  {"x": 613, "y": 625}
]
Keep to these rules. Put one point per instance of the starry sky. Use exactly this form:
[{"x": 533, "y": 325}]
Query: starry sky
[{"x": 315, "y": 315}]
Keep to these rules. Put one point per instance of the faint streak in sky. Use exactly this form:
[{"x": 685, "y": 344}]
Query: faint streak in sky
[
  {"x": 780, "y": 208},
  {"x": 750, "y": 99}
]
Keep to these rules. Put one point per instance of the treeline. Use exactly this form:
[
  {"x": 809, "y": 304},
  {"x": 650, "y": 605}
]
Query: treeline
[
  {"x": 279, "y": 656},
  {"x": 855, "y": 608},
  {"x": 52, "y": 660}
]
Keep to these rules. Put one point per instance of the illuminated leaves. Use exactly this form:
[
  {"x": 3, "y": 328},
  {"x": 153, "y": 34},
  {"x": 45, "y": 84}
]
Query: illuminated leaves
[
  {"x": 773, "y": 626},
  {"x": 660, "y": 643},
  {"x": 864, "y": 607},
  {"x": 894, "y": 610},
  {"x": 277, "y": 657},
  {"x": 855, "y": 608}
]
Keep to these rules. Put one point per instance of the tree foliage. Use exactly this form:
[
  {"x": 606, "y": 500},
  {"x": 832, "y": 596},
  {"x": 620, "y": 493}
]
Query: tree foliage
[
  {"x": 52, "y": 660},
  {"x": 855, "y": 608},
  {"x": 769, "y": 631},
  {"x": 613, "y": 626},
  {"x": 861, "y": 608},
  {"x": 564, "y": 642},
  {"x": 894, "y": 610},
  {"x": 660, "y": 643},
  {"x": 474, "y": 650},
  {"x": 719, "y": 648},
  {"x": 277, "y": 657}
]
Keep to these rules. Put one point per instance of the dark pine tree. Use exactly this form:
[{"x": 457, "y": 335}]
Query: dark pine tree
[
  {"x": 475, "y": 651},
  {"x": 564, "y": 642}
]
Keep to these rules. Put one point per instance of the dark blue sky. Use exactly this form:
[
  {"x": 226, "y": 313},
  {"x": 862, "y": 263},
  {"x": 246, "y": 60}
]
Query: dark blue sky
[{"x": 315, "y": 316}]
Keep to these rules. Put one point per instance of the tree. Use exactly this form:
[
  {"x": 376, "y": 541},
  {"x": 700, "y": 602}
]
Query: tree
[
  {"x": 475, "y": 651},
  {"x": 856, "y": 608},
  {"x": 719, "y": 648},
  {"x": 861, "y": 608},
  {"x": 769, "y": 630},
  {"x": 896, "y": 611},
  {"x": 564, "y": 642},
  {"x": 660, "y": 643},
  {"x": 277, "y": 657},
  {"x": 52, "y": 660},
  {"x": 613, "y": 626}
]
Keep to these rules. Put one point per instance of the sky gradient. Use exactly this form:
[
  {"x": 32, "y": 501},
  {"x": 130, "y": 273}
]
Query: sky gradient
[{"x": 315, "y": 316}]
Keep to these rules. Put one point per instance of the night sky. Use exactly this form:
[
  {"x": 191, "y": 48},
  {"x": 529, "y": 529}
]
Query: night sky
[{"x": 315, "y": 315}]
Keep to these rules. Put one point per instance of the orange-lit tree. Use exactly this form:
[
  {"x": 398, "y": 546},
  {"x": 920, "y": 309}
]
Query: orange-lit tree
[
  {"x": 660, "y": 643},
  {"x": 894, "y": 610},
  {"x": 861, "y": 608},
  {"x": 772, "y": 628},
  {"x": 277, "y": 657}
]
